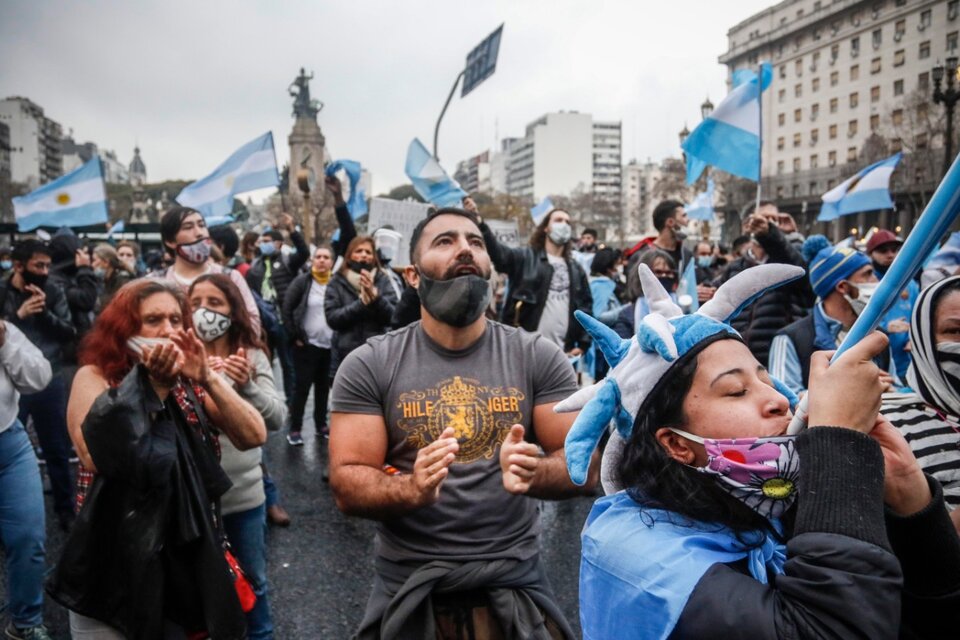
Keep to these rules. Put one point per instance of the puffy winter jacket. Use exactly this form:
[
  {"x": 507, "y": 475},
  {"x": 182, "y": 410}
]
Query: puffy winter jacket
[{"x": 354, "y": 321}]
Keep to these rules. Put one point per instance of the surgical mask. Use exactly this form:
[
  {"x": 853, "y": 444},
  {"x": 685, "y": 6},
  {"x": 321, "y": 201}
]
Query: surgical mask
[
  {"x": 136, "y": 344},
  {"x": 210, "y": 324},
  {"x": 100, "y": 272},
  {"x": 560, "y": 233},
  {"x": 267, "y": 248},
  {"x": 865, "y": 291},
  {"x": 37, "y": 280},
  {"x": 705, "y": 262},
  {"x": 196, "y": 252},
  {"x": 458, "y": 301},
  {"x": 6, "y": 264},
  {"x": 762, "y": 473}
]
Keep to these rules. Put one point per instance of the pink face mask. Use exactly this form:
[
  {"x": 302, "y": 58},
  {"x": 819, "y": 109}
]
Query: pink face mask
[
  {"x": 196, "y": 252},
  {"x": 761, "y": 473}
]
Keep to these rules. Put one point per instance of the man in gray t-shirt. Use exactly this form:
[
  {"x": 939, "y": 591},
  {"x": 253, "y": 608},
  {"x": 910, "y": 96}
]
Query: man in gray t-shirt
[{"x": 444, "y": 432}]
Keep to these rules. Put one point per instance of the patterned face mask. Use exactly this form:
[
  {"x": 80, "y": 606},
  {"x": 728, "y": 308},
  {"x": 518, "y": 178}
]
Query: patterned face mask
[
  {"x": 210, "y": 324},
  {"x": 195, "y": 252},
  {"x": 762, "y": 473}
]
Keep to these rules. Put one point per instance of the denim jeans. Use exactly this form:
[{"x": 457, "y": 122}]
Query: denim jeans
[
  {"x": 246, "y": 531},
  {"x": 48, "y": 408},
  {"x": 22, "y": 526}
]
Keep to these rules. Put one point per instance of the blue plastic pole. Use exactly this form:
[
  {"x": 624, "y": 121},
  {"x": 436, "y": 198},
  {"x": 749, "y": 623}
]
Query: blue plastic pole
[{"x": 940, "y": 213}]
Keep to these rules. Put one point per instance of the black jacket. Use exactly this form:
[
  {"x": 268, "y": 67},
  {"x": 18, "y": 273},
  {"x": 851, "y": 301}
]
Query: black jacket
[
  {"x": 852, "y": 571},
  {"x": 295, "y": 305},
  {"x": 51, "y": 329},
  {"x": 283, "y": 269},
  {"x": 353, "y": 321},
  {"x": 144, "y": 547},
  {"x": 82, "y": 289},
  {"x": 529, "y": 273},
  {"x": 775, "y": 309}
]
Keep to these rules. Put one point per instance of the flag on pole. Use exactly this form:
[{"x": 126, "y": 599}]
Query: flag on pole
[
  {"x": 687, "y": 289},
  {"x": 116, "y": 228},
  {"x": 252, "y": 166},
  {"x": 429, "y": 179},
  {"x": 729, "y": 138},
  {"x": 542, "y": 209},
  {"x": 867, "y": 191},
  {"x": 702, "y": 206},
  {"x": 357, "y": 204},
  {"x": 77, "y": 199}
]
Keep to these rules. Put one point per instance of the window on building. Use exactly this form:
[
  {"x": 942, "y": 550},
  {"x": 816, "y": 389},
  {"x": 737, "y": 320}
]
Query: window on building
[
  {"x": 875, "y": 65},
  {"x": 899, "y": 3},
  {"x": 899, "y": 29},
  {"x": 854, "y": 47},
  {"x": 797, "y": 115},
  {"x": 796, "y": 164},
  {"x": 814, "y": 136},
  {"x": 781, "y": 95},
  {"x": 922, "y": 140},
  {"x": 780, "y": 192},
  {"x": 798, "y": 67},
  {"x": 898, "y": 87},
  {"x": 953, "y": 8},
  {"x": 875, "y": 94},
  {"x": 922, "y": 111},
  {"x": 952, "y": 42},
  {"x": 813, "y": 186},
  {"x": 834, "y": 78},
  {"x": 899, "y": 57},
  {"x": 851, "y": 128},
  {"x": 923, "y": 81},
  {"x": 797, "y": 141},
  {"x": 877, "y": 38},
  {"x": 797, "y": 90},
  {"x": 874, "y": 123},
  {"x": 814, "y": 111},
  {"x": 796, "y": 191},
  {"x": 814, "y": 161},
  {"x": 897, "y": 117},
  {"x": 833, "y": 131},
  {"x": 833, "y": 104},
  {"x": 815, "y": 60},
  {"x": 854, "y": 100},
  {"x": 832, "y": 158},
  {"x": 925, "y": 18},
  {"x": 834, "y": 53},
  {"x": 781, "y": 119},
  {"x": 855, "y": 72},
  {"x": 924, "y": 50},
  {"x": 851, "y": 154},
  {"x": 779, "y": 166},
  {"x": 896, "y": 145},
  {"x": 815, "y": 84},
  {"x": 782, "y": 71},
  {"x": 780, "y": 143}
]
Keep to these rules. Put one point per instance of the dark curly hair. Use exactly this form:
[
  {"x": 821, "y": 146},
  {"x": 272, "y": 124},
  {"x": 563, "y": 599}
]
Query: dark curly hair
[{"x": 653, "y": 479}]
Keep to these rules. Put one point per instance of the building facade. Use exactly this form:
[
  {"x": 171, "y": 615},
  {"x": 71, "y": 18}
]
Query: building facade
[
  {"x": 35, "y": 154},
  {"x": 4, "y": 152},
  {"x": 473, "y": 174},
  {"x": 852, "y": 84},
  {"x": 607, "y": 161},
  {"x": 638, "y": 202}
]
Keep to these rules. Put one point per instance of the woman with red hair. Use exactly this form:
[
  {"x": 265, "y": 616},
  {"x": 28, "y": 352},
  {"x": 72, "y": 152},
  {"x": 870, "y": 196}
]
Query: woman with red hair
[{"x": 146, "y": 557}]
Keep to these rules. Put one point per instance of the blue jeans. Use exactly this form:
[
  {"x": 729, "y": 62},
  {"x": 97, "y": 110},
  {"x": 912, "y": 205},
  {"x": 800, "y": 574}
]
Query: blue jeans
[
  {"x": 22, "y": 526},
  {"x": 48, "y": 408},
  {"x": 246, "y": 531}
]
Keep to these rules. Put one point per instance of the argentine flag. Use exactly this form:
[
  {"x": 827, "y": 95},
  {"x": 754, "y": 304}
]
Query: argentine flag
[
  {"x": 252, "y": 166},
  {"x": 729, "y": 138},
  {"x": 702, "y": 206},
  {"x": 867, "y": 191},
  {"x": 542, "y": 209},
  {"x": 77, "y": 199},
  {"x": 429, "y": 179},
  {"x": 357, "y": 204},
  {"x": 687, "y": 289}
]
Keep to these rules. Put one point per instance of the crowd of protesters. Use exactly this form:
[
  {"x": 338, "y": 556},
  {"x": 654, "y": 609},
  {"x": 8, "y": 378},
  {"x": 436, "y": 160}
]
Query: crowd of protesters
[{"x": 454, "y": 394}]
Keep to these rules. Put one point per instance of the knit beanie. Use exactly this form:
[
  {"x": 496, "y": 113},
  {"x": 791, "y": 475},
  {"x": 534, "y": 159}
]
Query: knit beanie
[{"x": 827, "y": 265}]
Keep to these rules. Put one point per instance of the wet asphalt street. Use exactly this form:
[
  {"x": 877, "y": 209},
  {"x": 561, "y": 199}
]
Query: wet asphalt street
[{"x": 320, "y": 568}]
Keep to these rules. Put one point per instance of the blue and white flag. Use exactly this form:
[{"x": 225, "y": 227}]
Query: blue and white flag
[
  {"x": 429, "y": 179},
  {"x": 116, "y": 228},
  {"x": 867, "y": 191},
  {"x": 77, "y": 199},
  {"x": 687, "y": 289},
  {"x": 357, "y": 204},
  {"x": 729, "y": 138},
  {"x": 542, "y": 209},
  {"x": 702, "y": 206},
  {"x": 252, "y": 166}
]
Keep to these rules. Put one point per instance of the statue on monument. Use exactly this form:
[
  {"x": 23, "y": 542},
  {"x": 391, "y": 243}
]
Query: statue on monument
[{"x": 303, "y": 106}]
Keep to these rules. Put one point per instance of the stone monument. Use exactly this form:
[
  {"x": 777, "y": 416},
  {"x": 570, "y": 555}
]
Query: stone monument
[{"x": 307, "y": 162}]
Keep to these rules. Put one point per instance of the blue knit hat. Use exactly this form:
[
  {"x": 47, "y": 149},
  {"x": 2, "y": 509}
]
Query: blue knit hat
[{"x": 828, "y": 265}]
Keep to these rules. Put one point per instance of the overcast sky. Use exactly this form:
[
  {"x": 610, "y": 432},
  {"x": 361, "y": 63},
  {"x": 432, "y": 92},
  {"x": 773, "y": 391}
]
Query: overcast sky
[{"x": 192, "y": 81}]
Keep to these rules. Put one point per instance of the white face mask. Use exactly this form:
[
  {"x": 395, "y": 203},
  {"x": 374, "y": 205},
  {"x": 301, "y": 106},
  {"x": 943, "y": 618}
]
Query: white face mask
[
  {"x": 865, "y": 291},
  {"x": 136, "y": 344},
  {"x": 560, "y": 233},
  {"x": 210, "y": 324}
]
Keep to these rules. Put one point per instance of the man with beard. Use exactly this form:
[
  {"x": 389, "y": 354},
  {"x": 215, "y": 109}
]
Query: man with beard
[
  {"x": 419, "y": 415},
  {"x": 882, "y": 248},
  {"x": 39, "y": 308}
]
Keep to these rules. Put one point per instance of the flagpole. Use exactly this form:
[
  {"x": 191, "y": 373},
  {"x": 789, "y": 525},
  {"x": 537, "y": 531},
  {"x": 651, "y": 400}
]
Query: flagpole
[{"x": 759, "y": 133}]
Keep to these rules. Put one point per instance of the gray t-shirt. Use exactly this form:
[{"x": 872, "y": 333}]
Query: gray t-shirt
[
  {"x": 421, "y": 388},
  {"x": 556, "y": 310}
]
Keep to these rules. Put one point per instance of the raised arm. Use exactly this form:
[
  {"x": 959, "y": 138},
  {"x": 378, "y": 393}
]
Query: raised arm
[{"x": 22, "y": 360}]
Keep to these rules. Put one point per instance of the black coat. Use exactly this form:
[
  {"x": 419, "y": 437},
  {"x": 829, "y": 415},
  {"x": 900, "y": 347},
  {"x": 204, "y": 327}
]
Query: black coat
[
  {"x": 144, "y": 547},
  {"x": 283, "y": 269},
  {"x": 52, "y": 329},
  {"x": 775, "y": 309},
  {"x": 353, "y": 321},
  {"x": 529, "y": 273}
]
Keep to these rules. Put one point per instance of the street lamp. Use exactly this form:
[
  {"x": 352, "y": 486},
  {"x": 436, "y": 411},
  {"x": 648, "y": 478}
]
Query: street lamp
[
  {"x": 706, "y": 108},
  {"x": 948, "y": 97}
]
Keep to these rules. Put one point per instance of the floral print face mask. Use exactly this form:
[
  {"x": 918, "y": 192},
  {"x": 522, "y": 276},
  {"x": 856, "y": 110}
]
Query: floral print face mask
[{"x": 762, "y": 473}]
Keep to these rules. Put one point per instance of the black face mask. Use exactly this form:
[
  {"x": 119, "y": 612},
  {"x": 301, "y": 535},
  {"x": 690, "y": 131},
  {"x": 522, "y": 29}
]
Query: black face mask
[
  {"x": 30, "y": 277},
  {"x": 880, "y": 270},
  {"x": 668, "y": 283},
  {"x": 458, "y": 301},
  {"x": 357, "y": 267}
]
